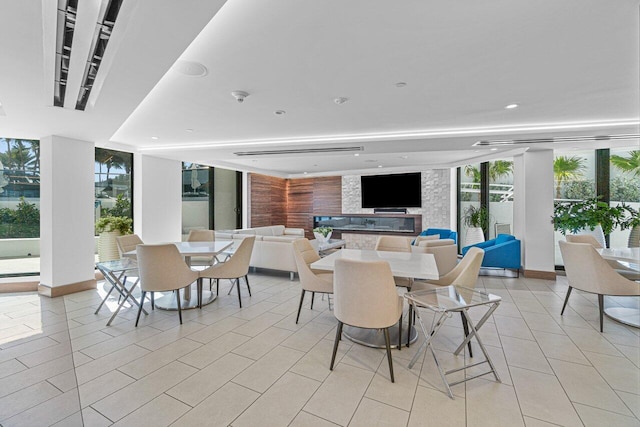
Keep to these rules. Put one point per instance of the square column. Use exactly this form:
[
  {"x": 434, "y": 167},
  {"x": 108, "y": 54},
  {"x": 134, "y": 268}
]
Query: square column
[
  {"x": 67, "y": 244},
  {"x": 157, "y": 199},
  {"x": 533, "y": 210}
]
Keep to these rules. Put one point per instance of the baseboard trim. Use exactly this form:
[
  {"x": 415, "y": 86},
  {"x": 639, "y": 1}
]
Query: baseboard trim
[
  {"x": 57, "y": 291},
  {"x": 6, "y": 288},
  {"x": 536, "y": 274}
]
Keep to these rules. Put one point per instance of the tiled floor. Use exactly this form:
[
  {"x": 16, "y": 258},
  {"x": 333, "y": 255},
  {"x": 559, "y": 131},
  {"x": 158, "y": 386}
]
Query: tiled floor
[{"x": 60, "y": 365}]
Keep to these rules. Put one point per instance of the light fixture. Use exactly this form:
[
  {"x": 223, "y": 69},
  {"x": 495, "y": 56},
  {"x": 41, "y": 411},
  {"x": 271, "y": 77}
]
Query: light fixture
[
  {"x": 190, "y": 68},
  {"x": 280, "y": 112},
  {"x": 239, "y": 95},
  {"x": 154, "y": 137},
  {"x": 340, "y": 100},
  {"x": 511, "y": 106},
  {"x": 494, "y": 149},
  {"x": 189, "y": 130},
  {"x": 305, "y": 173},
  {"x": 379, "y": 166},
  {"x": 404, "y": 157},
  {"x": 401, "y": 84},
  {"x": 357, "y": 155}
]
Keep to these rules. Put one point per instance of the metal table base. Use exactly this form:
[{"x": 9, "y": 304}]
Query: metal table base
[
  {"x": 188, "y": 299},
  {"x": 375, "y": 337}
]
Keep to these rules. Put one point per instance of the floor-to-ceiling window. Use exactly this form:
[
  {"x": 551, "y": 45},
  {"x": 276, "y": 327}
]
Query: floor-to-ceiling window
[
  {"x": 624, "y": 186},
  {"x": 19, "y": 206},
  {"x": 113, "y": 183},
  {"x": 469, "y": 195}
]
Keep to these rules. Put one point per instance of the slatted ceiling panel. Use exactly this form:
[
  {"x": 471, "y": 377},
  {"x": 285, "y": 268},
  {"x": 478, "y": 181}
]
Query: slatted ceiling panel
[{"x": 327, "y": 196}]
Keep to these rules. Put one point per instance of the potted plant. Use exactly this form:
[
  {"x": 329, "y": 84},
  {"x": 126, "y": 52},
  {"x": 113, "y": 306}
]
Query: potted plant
[
  {"x": 322, "y": 234},
  {"x": 476, "y": 219},
  {"x": 632, "y": 221},
  {"x": 109, "y": 227},
  {"x": 592, "y": 216}
]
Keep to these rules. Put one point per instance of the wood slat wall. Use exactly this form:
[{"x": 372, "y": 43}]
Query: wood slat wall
[{"x": 293, "y": 202}]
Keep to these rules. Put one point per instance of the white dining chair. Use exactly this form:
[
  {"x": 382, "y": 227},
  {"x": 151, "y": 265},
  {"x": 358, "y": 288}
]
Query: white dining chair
[
  {"x": 310, "y": 280},
  {"x": 396, "y": 244},
  {"x": 622, "y": 269}
]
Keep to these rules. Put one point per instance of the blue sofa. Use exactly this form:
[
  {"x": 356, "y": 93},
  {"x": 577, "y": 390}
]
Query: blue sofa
[
  {"x": 501, "y": 252},
  {"x": 444, "y": 233}
]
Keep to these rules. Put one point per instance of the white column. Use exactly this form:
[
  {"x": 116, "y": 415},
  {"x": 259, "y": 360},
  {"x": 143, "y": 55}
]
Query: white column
[
  {"x": 533, "y": 209},
  {"x": 67, "y": 243},
  {"x": 157, "y": 199}
]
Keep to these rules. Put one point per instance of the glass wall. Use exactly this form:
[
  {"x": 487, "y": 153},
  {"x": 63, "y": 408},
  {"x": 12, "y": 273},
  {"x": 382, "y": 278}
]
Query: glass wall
[
  {"x": 469, "y": 195},
  {"x": 19, "y": 206},
  {"x": 624, "y": 186},
  {"x": 113, "y": 183},
  {"x": 196, "y": 197},
  {"x": 500, "y": 197}
]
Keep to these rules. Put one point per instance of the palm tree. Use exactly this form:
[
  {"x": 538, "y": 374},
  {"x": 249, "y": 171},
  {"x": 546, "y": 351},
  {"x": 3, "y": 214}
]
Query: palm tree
[
  {"x": 629, "y": 164},
  {"x": 472, "y": 172},
  {"x": 22, "y": 154},
  {"x": 567, "y": 168},
  {"x": 500, "y": 168}
]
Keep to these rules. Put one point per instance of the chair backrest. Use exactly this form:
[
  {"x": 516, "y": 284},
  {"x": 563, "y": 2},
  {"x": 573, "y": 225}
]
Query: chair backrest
[
  {"x": 162, "y": 268},
  {"x": 364, "y": 293},
  {"x": 128, "y": 243},
  {"x": 305, "y": 254},
  {"x": 238, "y": 264},
  {"x": 588, "y": 271},
  {"x": 201, "y": 236},
  {"x": 583, "y": 238},
  {"x": 393, "y": 244},
  {"x": 466, "y": 272}
]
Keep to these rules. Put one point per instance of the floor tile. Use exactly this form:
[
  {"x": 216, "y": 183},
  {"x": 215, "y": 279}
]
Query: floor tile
[
  {"x": 305, "y": 419},
  {"x": 619, "y": 372},
  {"x": 525, "y": 354},
  {"x": 593, "y": 417},
  {"x": 48, "y": 412},
  {"x": 490, "y": 403},
  {"x": 161, "y": 411},
  {"x": 266, "y": 371},
  {"x": 26, "y": 398},
  {"x": 371, "y": 412},
  {"x": 559, "y": 347},
  {"x": 99, "y": 388},
  {"x": 214, "y": 350},
  {"x": 434, "y": 408}
]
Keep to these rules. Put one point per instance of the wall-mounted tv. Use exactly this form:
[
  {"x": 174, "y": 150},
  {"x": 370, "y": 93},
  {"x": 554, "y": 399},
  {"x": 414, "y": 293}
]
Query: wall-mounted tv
[{"x": 392, "y": 191}]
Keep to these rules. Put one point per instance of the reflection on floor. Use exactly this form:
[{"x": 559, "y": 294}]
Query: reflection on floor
[{"x": 59, "y": 363}]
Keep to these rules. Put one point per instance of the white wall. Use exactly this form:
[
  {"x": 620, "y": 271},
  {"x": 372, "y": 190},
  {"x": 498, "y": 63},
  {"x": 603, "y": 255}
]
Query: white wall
[
  {"x": 157, "y": 199},
  {"x": 533, "y": 208},
  {"x": 66, "y": 211}
]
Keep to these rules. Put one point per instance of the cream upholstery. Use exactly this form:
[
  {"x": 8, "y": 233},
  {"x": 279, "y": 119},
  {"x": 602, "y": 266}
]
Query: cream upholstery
[
  {"x": 629, "y": 273},
  {"x": 587, "y": 271},
  {"x": 162, "y": 269},
  {"x": 128, "y": 243},
  {"x": 396, "y": 244},
  {"x": 420, "y": 239},
  {"x": 445, "y": 252},
  {"x": 310, "y": 280},
  {"x": 365, "y": 296},
  {"x": 272, "y": 249},
  {"x": 202, "y": 236},
  {"x": 235, "y": 267}
]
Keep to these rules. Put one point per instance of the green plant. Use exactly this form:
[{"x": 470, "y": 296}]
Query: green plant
[
  {"x": 113, "y": 223},
  {"x": 587, "y": 214},
  {"x": 567, "y": 168},
  {"x": 476, "y": 217},
  {"x": 629, "y": 164},
  {"x": 122, "y": 207},
  {"x": 27, "y": 213},
  {"x": 323, "y": 230}
]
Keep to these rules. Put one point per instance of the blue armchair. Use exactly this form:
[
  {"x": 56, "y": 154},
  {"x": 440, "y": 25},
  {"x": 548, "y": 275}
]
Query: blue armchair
[
  {"x": 501, "y": 252},
  {"x": 444, "y": 233}
]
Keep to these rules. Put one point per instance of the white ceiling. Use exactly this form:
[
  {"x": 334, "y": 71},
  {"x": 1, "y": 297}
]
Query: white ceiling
[{"x": 572, "y": 66}]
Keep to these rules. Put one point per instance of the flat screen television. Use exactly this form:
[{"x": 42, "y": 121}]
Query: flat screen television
[{"x": 392, "y": 191}]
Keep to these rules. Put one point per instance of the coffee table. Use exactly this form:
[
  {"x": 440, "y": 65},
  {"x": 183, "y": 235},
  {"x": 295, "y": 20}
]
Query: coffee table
[{"x": 115, "y": 273}]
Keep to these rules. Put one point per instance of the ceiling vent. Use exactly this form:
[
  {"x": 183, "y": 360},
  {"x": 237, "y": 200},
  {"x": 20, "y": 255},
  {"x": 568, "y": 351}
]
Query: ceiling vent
[
  {"x": 299, "y": 151},
  {"x": 556, "y": 140},
  {"x": 66, "y": 16},
  {"x": 102, "y": 34}
]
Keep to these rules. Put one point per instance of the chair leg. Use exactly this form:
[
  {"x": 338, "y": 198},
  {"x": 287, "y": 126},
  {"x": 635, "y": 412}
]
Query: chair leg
[
  {"x": 313, "y": 295},
  {"x": 601, "y": 307},
  {"x": 465, "y": 326},
  {"x": 300, "y": 306},
  {"x": 335, "y": 344},
  {"x": 388, "y": 345},
  {"x": 410, "y": 324},
  {"x": 217, "y": 286},
  {"x": 179, "y": 305},
  {"x": 566, "y": 300},
  {"x": 140, "y": 308},
  {"x": 400, "y": 333},
  {"x": 153, "y": 300},
  {"x": 246, "y": 279},
  {"x": 239, "y": 296}
]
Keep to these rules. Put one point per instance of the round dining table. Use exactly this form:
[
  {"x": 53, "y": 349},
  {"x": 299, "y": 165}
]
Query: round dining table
[{"x": 623, "y": 309}]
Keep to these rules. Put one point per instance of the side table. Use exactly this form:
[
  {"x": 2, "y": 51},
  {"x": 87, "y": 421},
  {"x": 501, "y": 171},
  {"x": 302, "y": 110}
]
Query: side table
[
  {"x": 445, "y": 301},
  {"x": 115, "y": 273}
]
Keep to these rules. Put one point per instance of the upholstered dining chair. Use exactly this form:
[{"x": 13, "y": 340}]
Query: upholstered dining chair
[
  {"x": 234, "y": 268},
  {"x": 396, "y": 244},
  {"x": 162, "y": 269},
  {"x": 587, "y": 271},
  {"x": 365, "y": 297},
  {"x": 311, "y": 280},
  {"x": 128, "y": 243},
  {"x": 620, "y": 268},
  {"x": 202, "y": 236},
  {"x": 465, "y": 274}
]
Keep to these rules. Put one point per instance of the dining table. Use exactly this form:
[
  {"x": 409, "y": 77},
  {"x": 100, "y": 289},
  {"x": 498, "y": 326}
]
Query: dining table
[
  {"x": 623, "y": 309},
  {"x": 188, "y": 250},
  {"x": 403, "y": 264}
]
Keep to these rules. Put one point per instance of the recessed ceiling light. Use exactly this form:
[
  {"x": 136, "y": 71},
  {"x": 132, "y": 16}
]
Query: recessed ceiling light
[
  {"x": 401, "y": 84},
  {"x": 305, "y": 173},
  {"x": 511, "y": 106},
  {"x": 340, "y": 100},
  {"x": 379, "y": 166},
  {"x": 280, "y": 112},
  {"x": 494, "y": 149},
  {"x": 154, "y": 137},
  {"x": 190, "y": 68},
  {"x": 189, "y": 130},
  {"x": 404, "y": 157},
  {"x": 357, "y": 154}
]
